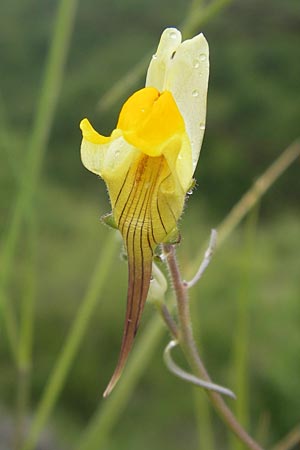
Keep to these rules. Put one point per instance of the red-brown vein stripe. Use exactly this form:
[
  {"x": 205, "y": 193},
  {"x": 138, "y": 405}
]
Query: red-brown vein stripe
[{"x": 136, "y": 233}]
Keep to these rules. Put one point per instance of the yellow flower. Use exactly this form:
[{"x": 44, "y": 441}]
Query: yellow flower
[{"x": 149, "y": 159}]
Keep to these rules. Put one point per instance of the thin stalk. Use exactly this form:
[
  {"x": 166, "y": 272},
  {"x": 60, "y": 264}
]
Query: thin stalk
[
  {"x": 258, "y": 189},
  {"x": 5, "y": 140},
  {"x": 22, "y": 400},
  {"x": 168, "y": 319},
  {"x": 27, "y": 315},
  {"x": 290, "y": 440},
  {"x": 241, "y": 341},
  {"x": 66, "y": 357},
  {"x": 9, "y": 315},
  {"x": 204, "y": 421},
  {"x": 11, "y": 327},
  {"x": 201, "y": 15},
  {"x": 187, "y": 343},
  {"x": 40, "y": 133},
  {"x": 123, "y": 85}
]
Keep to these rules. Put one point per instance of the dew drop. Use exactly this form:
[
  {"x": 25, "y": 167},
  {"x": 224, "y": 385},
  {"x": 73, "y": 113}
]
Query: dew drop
[
  {"x": 202, "y": 126},
  {"x": 180, "y": 157},
  {"x": 195, "y": 93},
  {"x": 154, "y": 56},
  {"x": 117, "y": 154},
  {"x": 173, "y": 34},
  {"x": 202, "y": 57},
  {"x": 189, "y": 192},
  {"x": 196, "y": 63}
]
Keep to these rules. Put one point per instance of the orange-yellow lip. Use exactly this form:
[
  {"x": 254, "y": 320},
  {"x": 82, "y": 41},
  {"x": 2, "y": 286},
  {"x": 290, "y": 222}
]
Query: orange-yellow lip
[{"x": 147, "y": 120}]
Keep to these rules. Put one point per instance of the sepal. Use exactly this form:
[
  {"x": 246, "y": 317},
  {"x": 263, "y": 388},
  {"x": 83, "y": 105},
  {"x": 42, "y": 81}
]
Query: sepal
[
  {"x": 174, "y": 237},
  {"x": 108, "y": 219}
]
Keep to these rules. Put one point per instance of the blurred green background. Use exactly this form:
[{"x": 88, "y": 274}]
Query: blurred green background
[{"x": 246, "y": 310}]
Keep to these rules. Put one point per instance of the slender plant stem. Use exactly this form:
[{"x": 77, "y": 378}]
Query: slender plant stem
[
  {"x": 258, "y": 189},
  {"x": 199, "y": 15},
  {"x": 6, "y": 141},
  {"x": 11, "y": 327},
  {"x": 204, "y": 421},
  {"x": 27, "y": 315},
  {"x": 242, "y": 337},
  {"x": 65, "y": 359},
  {"x": 187, "y": 343},
  {"x": 39, "y": 135},
  {"x": 168, "y": 319},
  {"x": 290, "y": 440},
  {"x": 22, "y": 399}
]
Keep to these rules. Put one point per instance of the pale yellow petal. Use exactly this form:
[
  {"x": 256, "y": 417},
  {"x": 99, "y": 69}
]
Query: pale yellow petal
[
  {"x": 187, "y": 79},
  {"x": 169, "y": 42},
  {"x": 178, "y": 155},
  {"x": 107, "y": 160},
  {"x": 92, "y": 155}
]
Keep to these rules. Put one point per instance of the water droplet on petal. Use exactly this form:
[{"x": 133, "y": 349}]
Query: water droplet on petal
[
  {"x": 189, "y": 192},
  {"x": 173, "y": 34},
  {"x": 195, "y": 93},
  {"x": 154, "y": 56},
  {"x": 202, "y": 126},
  {"x": 117, "y": 154},
  {"x": 180, "y": 157},
  {"x": 202, "y": 57},
  {"x": 196, "y": 63}
]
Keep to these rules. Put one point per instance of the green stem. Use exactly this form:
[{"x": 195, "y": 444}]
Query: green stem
[
  {"x": 22, "y": 400},
  {"x": 5, "y": 141},
  {"x": 257, "y": 190},
  {"x": 40, "y": 134},
  {"x": 187, "y": 343},
  {"x": 199, "y": 15},
  {"x": 241, "y": 340},
  {"x": 204, "y": 421},
  {"x": 24, "y": 362},
  {"x": 11, "y": 328},
  {"x": 65, "y": 359},
  {"x": 167, "y": 318}
]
